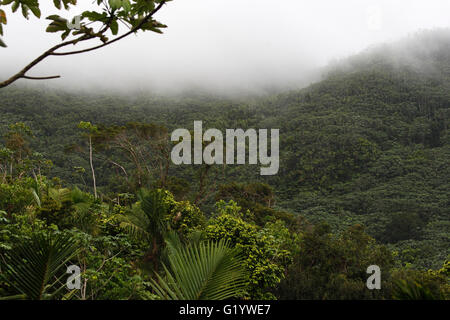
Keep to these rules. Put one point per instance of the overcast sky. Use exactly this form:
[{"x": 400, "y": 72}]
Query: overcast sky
[{"x": 225, "y": 44}]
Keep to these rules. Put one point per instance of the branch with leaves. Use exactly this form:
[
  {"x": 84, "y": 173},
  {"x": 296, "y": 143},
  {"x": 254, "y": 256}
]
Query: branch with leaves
[{"x": 101, "y": 24}]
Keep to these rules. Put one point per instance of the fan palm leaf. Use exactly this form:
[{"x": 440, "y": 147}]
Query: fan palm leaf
[
  {"x": 411, "y": 290},
  {"x": 155, "y": 210},
  {"x": 60, "y": 195},
  {"x": 33, "y": 267},
  {"x": 201, "y": 271},
  {"x": 147, "y": 220},
  {"x": 36, "y": 197}
]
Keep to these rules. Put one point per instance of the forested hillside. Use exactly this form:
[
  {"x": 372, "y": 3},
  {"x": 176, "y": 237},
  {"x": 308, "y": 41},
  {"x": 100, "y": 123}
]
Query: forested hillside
[{"x": 364, "y": 172}]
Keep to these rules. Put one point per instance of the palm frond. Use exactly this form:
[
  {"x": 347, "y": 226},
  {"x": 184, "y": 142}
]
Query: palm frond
[
  {"x": 155, "y": 209},
  {"x": 201, "y": 271},
  {"x": 411, "y": 290},
  {"x": 33, "y": 266},
  {"x": 60, "y": 195},
  {"x": 147, "y": 220},
  {"x": 36, "y": 197},
  {"x": 86, "y": 218},
  {"x": 134, "y": 230},
  {"x": 79, "y": 196}
]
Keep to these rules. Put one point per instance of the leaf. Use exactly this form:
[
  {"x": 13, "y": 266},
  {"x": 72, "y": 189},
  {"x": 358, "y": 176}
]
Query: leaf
[
  {"x": 56, "y": 27},
  {"x": 57, "y": 4},
  {"x": 126, "y": 5},
  {"x": 95, "y": 16},
  {"x": 114, "y": 27},
  {"x": 55, "y": 17},
  {"x": 203, "y": 271},
  {"x": 36, "y": 197},
  {"x": 3, "y": 17},
  {"x": 58, "y": 24},
  {"x": 115, "y": 4},
  {"x": 36, "y": 11},
  {"x": 65, "y": 34},
  {"x": 66, "y": 3},
  {"x": 15, "y": 6},
  {"x": 33, "y": 266},
  {"x": 2, "y": 44},
  {"x": 25, "y": 10}
]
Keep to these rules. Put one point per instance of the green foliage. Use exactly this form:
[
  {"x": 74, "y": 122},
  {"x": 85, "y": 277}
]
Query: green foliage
[
  {"x": 185, "y": 218},
  {"x": 404, "y": 290},
  {"x": 331, "y": 267},
  {"x": 35, "y": 267},
  {"x": 15, "y": 198},
  {"x": 147, "y": 220},
  {"x": 368, "y": 145},
  {"x": 27, "y": 6},
  {"x": 55, "y": 206},
  {"x": 410, "y": 284},
  {"x": 133, "y": 13},
  {"x": 107, "y": 269},
  {"x": 262, "y": 258},
  {"x": 403, "y": 226},
  {"x": 204, "y": 271},
  {"x": 382, "y": 165},
  {"x": 88, "y": 127},
  {"x": 258, "y": 198}
]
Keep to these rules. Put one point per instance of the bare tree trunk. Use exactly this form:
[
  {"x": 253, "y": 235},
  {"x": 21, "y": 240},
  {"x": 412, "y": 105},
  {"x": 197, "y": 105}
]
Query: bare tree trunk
[{"x": 92, "y": 166}]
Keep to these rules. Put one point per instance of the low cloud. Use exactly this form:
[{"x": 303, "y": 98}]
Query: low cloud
[{"x": 225, "y": 46}]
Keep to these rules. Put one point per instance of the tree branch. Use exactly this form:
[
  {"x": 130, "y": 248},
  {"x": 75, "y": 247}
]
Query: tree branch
[
  {"x": 51, "y": 52},
  {"x": 133, "y": 30},
  {"x": 21, "y": 74},
  {"x": 41, "y": 78}
]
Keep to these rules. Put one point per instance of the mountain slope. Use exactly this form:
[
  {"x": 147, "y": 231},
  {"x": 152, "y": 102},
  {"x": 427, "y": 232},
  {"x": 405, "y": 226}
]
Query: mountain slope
[{"x": 368, "y": 144}]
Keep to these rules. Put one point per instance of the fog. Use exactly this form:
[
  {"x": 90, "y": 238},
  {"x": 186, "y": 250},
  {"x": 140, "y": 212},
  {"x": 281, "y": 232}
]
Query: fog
[{"x": 222, "y": 46}]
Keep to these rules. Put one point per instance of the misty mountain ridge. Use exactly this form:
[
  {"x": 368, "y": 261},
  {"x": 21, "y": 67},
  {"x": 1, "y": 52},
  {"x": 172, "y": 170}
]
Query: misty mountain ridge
[
  {"x": 426, "y": 52},
  {"x": 368, "y": 144}
]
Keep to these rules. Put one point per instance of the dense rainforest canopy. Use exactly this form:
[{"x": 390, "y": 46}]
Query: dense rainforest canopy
[{"x": 364, "y": 180}]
